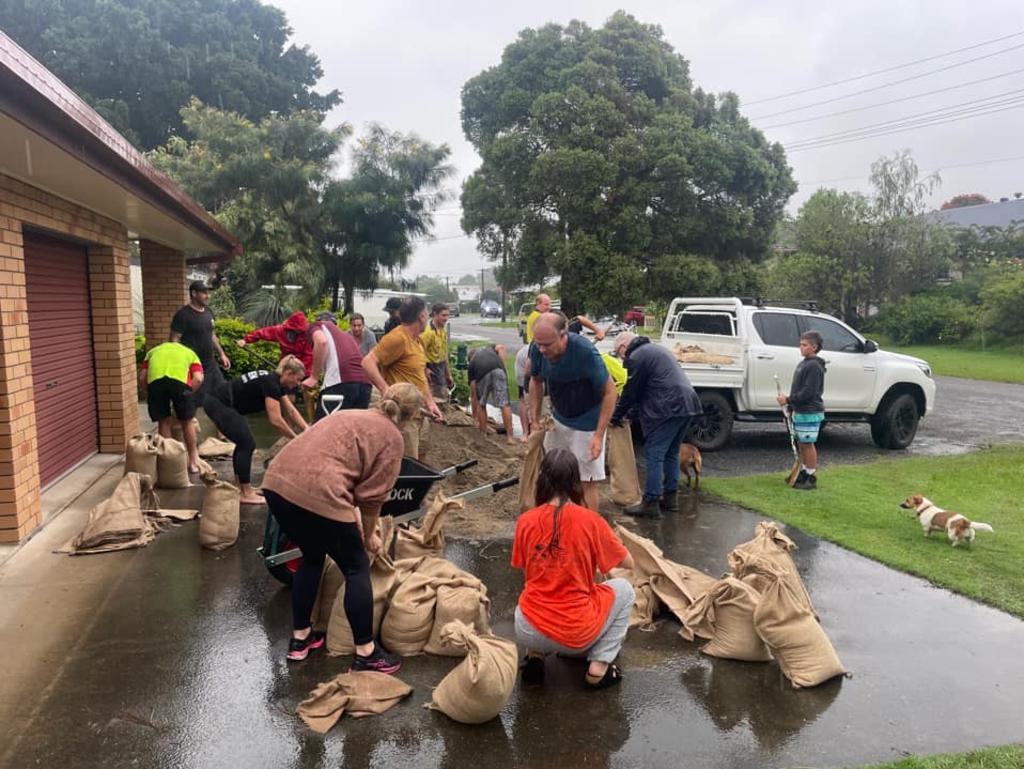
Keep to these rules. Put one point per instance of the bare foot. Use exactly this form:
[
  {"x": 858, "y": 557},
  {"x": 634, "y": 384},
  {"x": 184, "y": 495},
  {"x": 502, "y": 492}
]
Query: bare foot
[
  {"x": 193, "y": 470},
  {"x": 253, "y": 500}
]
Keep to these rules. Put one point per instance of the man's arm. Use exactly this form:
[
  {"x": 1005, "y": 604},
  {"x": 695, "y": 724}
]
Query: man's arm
[
  {"x": 319, "y": 360},
  {"x": 536, "y": 398},
  {"x": 225, "y": 361},
  {"x": 589, "y": 324},
  {"x": 372, "y": 369},
  {"x": 144, "y": 377}
]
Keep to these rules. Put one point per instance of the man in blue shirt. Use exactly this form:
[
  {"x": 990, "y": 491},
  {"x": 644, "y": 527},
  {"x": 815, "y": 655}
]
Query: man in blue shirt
[{"x": 582, "y": 396}]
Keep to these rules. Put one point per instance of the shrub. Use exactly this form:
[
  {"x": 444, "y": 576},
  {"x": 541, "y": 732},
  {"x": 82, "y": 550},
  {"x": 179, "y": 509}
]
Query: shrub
[
  {"x": 253, "y": 356},
  {"x": 1002, "y": 302},
  {"x": 925, "y": 318}
]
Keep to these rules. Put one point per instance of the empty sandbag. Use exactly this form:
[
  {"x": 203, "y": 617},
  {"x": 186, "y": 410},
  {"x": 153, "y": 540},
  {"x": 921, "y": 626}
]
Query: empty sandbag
[
  {"x": 481, "y": 685},
  {"x": 428, "y": 537},
  {"x": 531, "y": 465},
  {"x": 171, "y": 464},
  {"x": 213, "y": 448},
  {"x": 339, "y": 631},
  {"x": 774, "y": 546},
  {"x": 218, "y": 526},
  {"x": 725, "y": 615},
  {"x": 121, "y": 521},
  {"x": 140, "y": 455},
  {"x": 359, "y": 694},
  {"x": 789, "y": 628},
  {"x": 623, "y": 480},
  {"x": 458, "y": 601},
  {"x": 645, "y": 604}
]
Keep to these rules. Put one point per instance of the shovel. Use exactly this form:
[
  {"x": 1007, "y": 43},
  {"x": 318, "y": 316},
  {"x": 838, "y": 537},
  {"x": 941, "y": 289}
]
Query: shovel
[{"x": 795, "y": 470}]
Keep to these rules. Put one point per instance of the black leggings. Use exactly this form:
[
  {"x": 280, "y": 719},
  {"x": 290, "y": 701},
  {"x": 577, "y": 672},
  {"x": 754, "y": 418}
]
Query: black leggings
[
  {"x": 319, "y": 537},
  {"x": 236, "y": 430}
]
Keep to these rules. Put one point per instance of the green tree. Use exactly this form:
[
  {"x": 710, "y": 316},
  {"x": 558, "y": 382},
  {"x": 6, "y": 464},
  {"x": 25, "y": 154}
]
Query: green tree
[
  {"x": 138, "y": 62},
  {"x": 599, "y": 157}
]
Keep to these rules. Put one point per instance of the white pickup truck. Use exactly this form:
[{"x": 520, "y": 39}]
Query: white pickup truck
[{"x": 732, "y": 351}]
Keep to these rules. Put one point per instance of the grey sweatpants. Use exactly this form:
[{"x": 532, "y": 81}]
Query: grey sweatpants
[{"x": 609, "y": 641}]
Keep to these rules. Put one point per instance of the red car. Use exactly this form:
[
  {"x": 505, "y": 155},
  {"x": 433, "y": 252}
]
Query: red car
[{"x": 635, "y": 315}]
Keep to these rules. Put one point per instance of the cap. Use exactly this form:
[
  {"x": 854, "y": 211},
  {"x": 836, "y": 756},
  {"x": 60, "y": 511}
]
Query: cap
[
  {"x": 392, "y": 304},
  {"x": 328, "y": 316},
  {"x": 198, "y": 285}
]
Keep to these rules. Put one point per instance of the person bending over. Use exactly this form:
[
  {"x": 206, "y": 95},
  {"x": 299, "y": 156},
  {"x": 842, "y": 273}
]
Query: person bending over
[
  {"x": 488, "y": 383},
  {"x": 326, "y": 489},
  {"x": 251, "y": 393},
  {"x": 170, "y": 376},
  {"x": 561, "y": 546}
]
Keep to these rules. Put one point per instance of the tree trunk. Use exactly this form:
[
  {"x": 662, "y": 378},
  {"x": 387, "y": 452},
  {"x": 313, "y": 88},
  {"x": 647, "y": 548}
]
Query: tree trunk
[
  {"x": 334, "y": 296},
  {"x": 350, "y": 291}
]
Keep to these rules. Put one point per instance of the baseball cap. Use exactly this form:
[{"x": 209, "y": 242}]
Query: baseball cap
[
  {"x": 392, "y": 304},
  {"x": 198, "y": 285},
  {"x": 326, "y": 316}
]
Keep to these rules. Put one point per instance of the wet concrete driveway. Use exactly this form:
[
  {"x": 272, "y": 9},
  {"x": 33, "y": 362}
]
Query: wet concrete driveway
[{"x": 172, "y": 656}]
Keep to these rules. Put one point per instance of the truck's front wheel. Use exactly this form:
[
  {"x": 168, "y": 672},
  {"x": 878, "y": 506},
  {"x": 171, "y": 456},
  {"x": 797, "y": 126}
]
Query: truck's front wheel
[
  {"x": 712, "y": 430},
  {"x": 895, "y": 424}
]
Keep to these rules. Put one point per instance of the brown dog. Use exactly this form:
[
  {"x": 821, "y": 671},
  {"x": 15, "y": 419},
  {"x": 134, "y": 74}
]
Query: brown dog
[
  {"x": 689, "y": 458},
  {"x": 958, "y": 527}
]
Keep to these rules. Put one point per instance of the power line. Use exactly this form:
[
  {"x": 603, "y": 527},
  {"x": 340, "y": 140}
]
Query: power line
[
  {"x": 883, "y": 71},
  {"x": 889, "y": 84},
  {"x": 942, "y": 168},
  {"x": 435, "y": 240},
  {"x": 892, "y": 101}
]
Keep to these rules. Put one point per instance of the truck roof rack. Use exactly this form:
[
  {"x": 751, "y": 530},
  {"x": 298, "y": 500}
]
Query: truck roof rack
[{"x": 803, "y": 304}]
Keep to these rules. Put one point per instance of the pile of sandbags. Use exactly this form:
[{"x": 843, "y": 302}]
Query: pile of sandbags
[
  {"x": 725, "y": 616},
  {"x": 361, "y": 693},
  {"x": 768, "y": 547},
  {"x": 428, "y": 537},
  {"x": 131, "y": 517},
  {"x": 218, "y": 526},
  {"x": 696, "y": 354},
  {"x": 482, "y": 684},
  {"x": 140, "y": 455}
]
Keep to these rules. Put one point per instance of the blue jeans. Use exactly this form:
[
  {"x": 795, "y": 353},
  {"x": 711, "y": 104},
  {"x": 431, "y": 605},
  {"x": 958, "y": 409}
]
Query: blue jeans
[{"x": 661, "y": 455}]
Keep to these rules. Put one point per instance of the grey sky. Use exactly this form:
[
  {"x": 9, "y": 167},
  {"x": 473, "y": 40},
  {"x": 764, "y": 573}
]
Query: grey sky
[{"x": 404, "y": 64}]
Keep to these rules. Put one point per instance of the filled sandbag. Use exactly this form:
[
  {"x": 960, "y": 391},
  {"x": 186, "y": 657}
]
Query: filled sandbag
[
  {"x": 331, "y": 580},
  {"x": 120, "y": 522},
  {"x": 481, "y": 685},
  {"x": 725, "y": 615},
  {"x": 171, "y": 464},
  {"x": 359, "y": 694},
  {"x": 140, "y": 455},
  {"x": 531, "y": 465},
  {"x": 214, "y": 448},
  {"x": 775, "y": 547},
  {"x": 406, "y": 627},
  {"x": 219, "y": 523},
  {"x": 428, "y": 537},
  {"x": 795, "y": 637},
  {"x": 274, "y": 450},
  {"x": 458, "y": 601},
  {"x": 624, "y": 483},
  {"x": 339, "y": 631},
  {"x": 178, "y": 434}
]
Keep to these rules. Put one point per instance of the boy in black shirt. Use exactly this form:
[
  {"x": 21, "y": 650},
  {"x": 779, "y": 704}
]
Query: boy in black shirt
[{"x": 807, "y": 407}]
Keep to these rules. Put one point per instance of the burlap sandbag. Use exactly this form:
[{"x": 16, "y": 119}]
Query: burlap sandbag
[
  {"x": 218, "y": 526},
  {"x": 458, "y": 601},
  {"x": 171, "y": 464},
  {"x": 428, "y": 537},
  {"x": 214, "y": 447},
  {"x": 339, "y": 631},
  {"x": 531, "y": 466},
  {"x": 625, "y": 485},
  {"x": 645, "y": 604},
  {"x": 178, "y": 434},
  {"x": 362, "y": 693},
  {"x": 274, "y": 450},
  {"x": 410, "y": 617},
  {"x": 140, "y": 455},
  {"x": 774, "y": 547},
  {"x": 120, "y": 522},
  {"x": 725, "y": 615},
  {"x": 481, "y": 685},
  {"x": 795, "y": 637}
]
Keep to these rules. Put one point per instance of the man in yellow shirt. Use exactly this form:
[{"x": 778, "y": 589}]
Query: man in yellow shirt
[
  {"x": 542, "y": 306},
  {"x": 399, "y": 357},
  {"x": 435, "y": 347},
  {"x": 168, "y": 377}
]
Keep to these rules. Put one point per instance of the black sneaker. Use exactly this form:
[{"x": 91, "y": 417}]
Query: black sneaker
[
  {"x": 800, "y": 478},
  {"x": 380, "y": 661},
  {"x": 644, "y": 509},
  {"x": 299, "y": 648},
  {"x": 533, "y": 671},
  {"x": 808, "y": 483},
  {"x": 669, "y": 502}
]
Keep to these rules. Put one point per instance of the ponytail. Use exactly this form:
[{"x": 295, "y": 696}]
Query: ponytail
[
  {"x": 400, "y": 403},
  {"x": 291, "y": 364}
]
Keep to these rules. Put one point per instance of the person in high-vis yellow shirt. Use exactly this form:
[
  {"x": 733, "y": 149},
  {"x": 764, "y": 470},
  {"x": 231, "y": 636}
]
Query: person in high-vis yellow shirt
[
  {"x": 542, "y": 306},
  {"x": 435, "y": 346},
  {"x": 168, "y": 377}
]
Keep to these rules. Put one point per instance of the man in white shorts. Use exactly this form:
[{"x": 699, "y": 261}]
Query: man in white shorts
[{"x": 582, "y": 396}]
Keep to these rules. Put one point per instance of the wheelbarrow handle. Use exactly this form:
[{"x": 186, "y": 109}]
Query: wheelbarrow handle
[{"x": 483, "y": 491}]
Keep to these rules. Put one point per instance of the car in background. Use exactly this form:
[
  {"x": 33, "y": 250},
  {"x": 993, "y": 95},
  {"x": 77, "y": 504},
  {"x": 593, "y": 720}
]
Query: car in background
[
  {"x": 490, "y": 309},
  {"x": 453, "y": 309},
  {"x": 635, "y": 315}
]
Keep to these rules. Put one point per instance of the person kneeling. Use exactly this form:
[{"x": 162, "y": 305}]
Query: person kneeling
[{"x": 561, "y": 545}]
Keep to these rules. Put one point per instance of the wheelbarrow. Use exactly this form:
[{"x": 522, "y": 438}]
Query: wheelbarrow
[{"x": 404, "y": 504}]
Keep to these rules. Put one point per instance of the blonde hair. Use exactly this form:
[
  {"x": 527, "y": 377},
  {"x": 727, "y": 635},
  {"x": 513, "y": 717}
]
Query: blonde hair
[
  {"x": 292, "y": 365},
  {"x": 400, "y": 403}
]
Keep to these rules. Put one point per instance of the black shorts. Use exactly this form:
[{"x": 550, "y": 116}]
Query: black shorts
[{"x": 167, "y": 392}]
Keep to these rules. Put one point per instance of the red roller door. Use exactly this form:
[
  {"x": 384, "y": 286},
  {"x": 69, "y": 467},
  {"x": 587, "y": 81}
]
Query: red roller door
[{"x": 63, "y": 371}]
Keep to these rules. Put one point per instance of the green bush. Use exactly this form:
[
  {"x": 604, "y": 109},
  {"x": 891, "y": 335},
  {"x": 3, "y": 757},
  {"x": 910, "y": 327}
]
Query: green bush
[
  {"x": 140, "y": 349},
  {"x": 249, "y": 358},
  {"x": 1003, "y": 305},
  {"x": 927, "y": 318}
]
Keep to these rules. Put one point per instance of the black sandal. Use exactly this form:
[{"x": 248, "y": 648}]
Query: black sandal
[
  {"x": 533, "y": 670},
  {"x": 612, "y": 676}
]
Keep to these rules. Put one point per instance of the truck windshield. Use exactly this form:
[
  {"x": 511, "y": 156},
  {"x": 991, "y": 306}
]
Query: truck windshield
[{"x": 719, "y": 323}]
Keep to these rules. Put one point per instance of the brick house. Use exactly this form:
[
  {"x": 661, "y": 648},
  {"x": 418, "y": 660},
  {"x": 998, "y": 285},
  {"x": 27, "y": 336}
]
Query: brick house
[{"x": 73, "y": 194}]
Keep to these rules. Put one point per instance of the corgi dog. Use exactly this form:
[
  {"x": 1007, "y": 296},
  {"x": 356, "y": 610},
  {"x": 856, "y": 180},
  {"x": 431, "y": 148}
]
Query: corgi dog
[
  {"x": 933, "y": 518},
  {"x": 690, "y": 459}
]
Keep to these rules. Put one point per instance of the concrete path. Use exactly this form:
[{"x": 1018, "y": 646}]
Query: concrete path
[{"x": 172, "y": 656}]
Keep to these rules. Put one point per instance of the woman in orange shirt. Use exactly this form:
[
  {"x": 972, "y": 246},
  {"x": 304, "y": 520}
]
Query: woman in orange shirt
[{"x": 561, "y": 546}]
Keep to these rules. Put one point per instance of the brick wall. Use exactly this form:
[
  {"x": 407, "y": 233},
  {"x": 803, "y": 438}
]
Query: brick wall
[
  {"x": 163, "y": 288},
  {"x": 110, "y": 288}
]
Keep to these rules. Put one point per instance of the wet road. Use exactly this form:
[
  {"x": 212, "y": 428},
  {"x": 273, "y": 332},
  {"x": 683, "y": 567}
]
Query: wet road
[{"x": 172, "y": 656}]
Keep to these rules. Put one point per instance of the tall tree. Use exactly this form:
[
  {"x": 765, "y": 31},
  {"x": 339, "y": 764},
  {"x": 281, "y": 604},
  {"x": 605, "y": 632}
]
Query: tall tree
[
  {"x": 137, "y": 62},
  {"x": 599, "y": 157}
]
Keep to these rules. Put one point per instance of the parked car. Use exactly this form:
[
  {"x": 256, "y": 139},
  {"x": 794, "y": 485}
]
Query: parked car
[
  {"x": 490, "y": 309},
  {"x": 635, "y": 315},
  {"x": 453, "y": 309},
  {"x": 749, "y": 345}
]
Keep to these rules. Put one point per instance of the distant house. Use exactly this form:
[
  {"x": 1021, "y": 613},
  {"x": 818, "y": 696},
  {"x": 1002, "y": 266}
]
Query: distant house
[
  {"x": 467, "y": 293},
  {"x": 1001, "y": 215},
  {"x": 74, "y": 194}
]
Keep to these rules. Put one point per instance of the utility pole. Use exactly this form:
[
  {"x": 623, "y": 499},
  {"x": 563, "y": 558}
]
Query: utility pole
[{"x": 482, "y": 289}]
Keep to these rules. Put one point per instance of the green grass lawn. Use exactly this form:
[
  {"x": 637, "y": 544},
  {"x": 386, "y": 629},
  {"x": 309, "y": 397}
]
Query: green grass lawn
[
  {"x": 1008, "y": 757},
  {"x": 997, "y": 365},
  {"x": 499, "y": 324},
  {"x": 857, "y": 506}
]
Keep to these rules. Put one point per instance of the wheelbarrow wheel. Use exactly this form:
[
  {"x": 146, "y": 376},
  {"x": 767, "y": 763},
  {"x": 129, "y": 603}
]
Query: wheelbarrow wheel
[{"x": 284, "y": 572}]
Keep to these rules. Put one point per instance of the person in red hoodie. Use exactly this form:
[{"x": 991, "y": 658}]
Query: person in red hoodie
[{"x": 290, "y": 336}]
